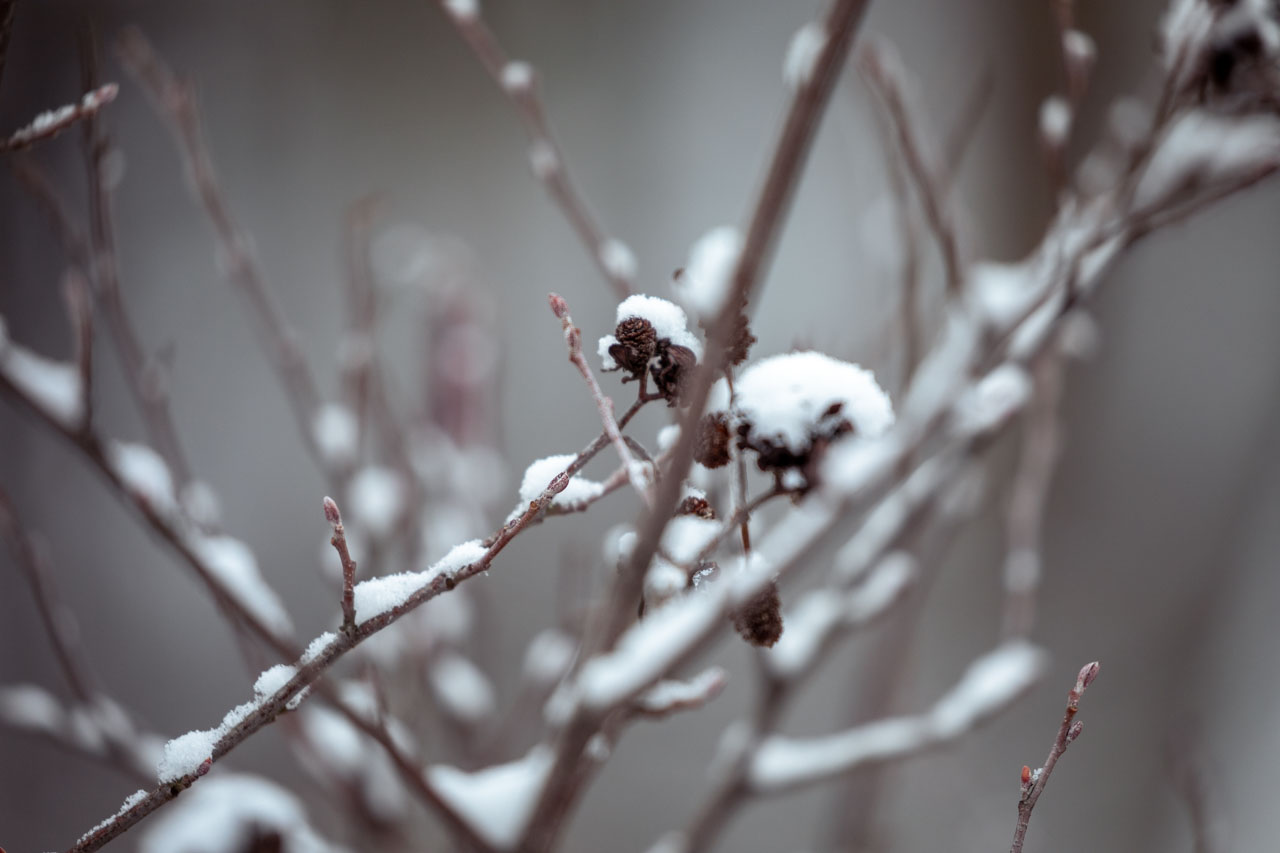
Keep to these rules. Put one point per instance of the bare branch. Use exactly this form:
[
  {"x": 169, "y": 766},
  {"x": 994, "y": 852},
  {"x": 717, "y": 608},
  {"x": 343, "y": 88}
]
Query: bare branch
[
  {"x": 52, "y": 122},
  {"x": 339, "y": 542},
  {"x": 519, "y": 82},
  {"x": 1033, "y": 782}
]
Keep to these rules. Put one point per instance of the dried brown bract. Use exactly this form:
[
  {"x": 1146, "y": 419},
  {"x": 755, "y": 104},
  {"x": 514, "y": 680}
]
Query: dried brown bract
[
  {"x": 760, "y": 621},
  {"x": 712, "y": 442}
]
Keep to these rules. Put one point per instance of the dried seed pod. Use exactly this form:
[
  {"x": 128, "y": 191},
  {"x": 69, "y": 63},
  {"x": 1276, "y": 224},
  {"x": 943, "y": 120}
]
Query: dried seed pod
[
  {"x": 740, "y": 341},
  {"x": 760, "y": 621},
  {"x": 637, "y": 343},
  {"x": 694, "y": 505},
  {"x": 672, "y": 368},
  {"x": 711, "y": 444}
]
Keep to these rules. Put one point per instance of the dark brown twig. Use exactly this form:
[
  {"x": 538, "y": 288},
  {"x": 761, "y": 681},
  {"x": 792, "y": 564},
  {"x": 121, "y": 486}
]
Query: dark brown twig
[
  {"x": 7, "y": 10},
  {"x": 1033, "y": 782},
  {"x": 338, "y": 540}
]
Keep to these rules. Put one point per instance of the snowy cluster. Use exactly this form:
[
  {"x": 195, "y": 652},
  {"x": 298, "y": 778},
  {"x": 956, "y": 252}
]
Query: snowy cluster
[
  {"x": 540, "y": 473},
  {"x": 652, "y": 339},
  {"x": 377, "y": 596}
]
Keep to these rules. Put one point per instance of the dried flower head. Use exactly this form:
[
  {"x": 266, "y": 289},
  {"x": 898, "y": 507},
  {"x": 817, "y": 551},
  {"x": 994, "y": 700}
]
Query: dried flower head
[
  {"x": 652, "y": 336},
  {"x": 711, "y": 444},
  {"x": 697, "y": 506},
  {"x": 637, "y": 343},
  {"x": 760, "y": 620}
]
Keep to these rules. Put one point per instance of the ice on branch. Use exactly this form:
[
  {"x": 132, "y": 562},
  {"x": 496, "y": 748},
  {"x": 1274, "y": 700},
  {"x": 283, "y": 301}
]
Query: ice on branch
[
  {"x": 381, "y": 595},
  {"x": 539, "y": 475},
  {"x": 54, "y": 387},
  {"x": 227, "y": 813},
  {"x": 336, "y": 433},
  {"x": 233, "y": 564},
  {"x": 991, "y": 684},
  {"x": 802, "y": 54},
  {"x": 703, "y": 285},
  {"x": 786, "y": 404},
  {"x": 497, "y": 801},
  {"x": 145, "y": 474}
]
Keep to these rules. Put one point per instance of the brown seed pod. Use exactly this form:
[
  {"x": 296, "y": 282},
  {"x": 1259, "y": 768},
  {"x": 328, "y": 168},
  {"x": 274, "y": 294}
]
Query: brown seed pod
[
  {"x": 637, "y": 343},
  {"x": 711, "y": 444},
  {"x": 760, "y": 621},
  {"x": 696, "y": 506},
  {"x": 672, "y": 368}
]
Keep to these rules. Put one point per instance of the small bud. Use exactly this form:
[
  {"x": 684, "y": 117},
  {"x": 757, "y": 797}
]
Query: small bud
[
  {"x": 1074, "y": 732},
  {"x": 1026, "y": 775},
  {"x": 331, "y": 513},
  {"x": 1087, "y": 674},
  {"x": 558, "y": 305}
]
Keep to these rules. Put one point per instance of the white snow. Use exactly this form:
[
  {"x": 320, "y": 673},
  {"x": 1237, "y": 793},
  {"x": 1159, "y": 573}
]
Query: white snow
[
  {"x": 671, "y": 695},
  {"x": 602, "y": 350},
  {"x": 668, "y": 436},
  {"x": 786, "y": 399},
  {"x": 540, "y": 473},
  {"x": 274, "y": 679},
  {"x": 1184, "y": 33},
  {"x": 1055, "y": 120},
  {"x": 54, "y": 387},
  {"x": 686, "y": 536},
  {"x": 317, "y": 646},
  {"x": 184, "y": 754},
  {"x": 232, "y": 563},
  {"x": 991, "y": 684},
  {"x": 144, "y": 474},
  {"x": 667, "y": 318},
  {"x": 461, "y": 688},
  {"x": 549, "y": 656},
  {"x": 129, "y": 802},
  {"x": 224, "y": 813},
  {"x": 377, "y": 499},
  {"x": 497, "y": 801},
  {"x": 645, "y": 651},
  {"x": 200, "y": 502},
  {"x": 380, "y": 595},
  {"x": 802, "y": 54},
  {"x": 517, "y": 77},
  {"x": 463, "y": 10},
  {"x": 618, "y": 259},
  {"x": 336, "y": 433},
  {"x": 1209, "y": 148},
  {"x": 706, "y": 280},
  {"x": 344, "y": 750},
  {"x": 29, "y": 706}
]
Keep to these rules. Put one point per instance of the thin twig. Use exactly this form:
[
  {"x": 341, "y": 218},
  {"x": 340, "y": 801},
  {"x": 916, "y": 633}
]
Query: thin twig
[
  {"x": 573, "y": 339},
  {"x": 519, "y": 82},
  {"x": 1033, "y": 782},
  {"x": 338, "y": 540},
  {"x": 52, "y": 122}
]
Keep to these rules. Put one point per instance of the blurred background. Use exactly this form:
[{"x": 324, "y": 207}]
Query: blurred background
[{"x": 1161, "y": 537}]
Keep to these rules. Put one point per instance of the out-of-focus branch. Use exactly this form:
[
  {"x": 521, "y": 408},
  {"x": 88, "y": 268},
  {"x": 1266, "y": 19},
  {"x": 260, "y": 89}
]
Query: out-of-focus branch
[
  {"x": 7, "y": 10},
  {"x": 882, "y": 70},
  {"x": 1189, "y": 779},
  {"x": 519, "y": 82},
  {"x": 175, "y": 101},
  {"x": 52, "y": 122},
  {"x": 1034, "y": 782}
]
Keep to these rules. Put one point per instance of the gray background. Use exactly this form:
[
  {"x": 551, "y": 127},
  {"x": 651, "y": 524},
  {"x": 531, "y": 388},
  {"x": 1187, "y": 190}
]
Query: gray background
[{"x": 1161, "y": 534}]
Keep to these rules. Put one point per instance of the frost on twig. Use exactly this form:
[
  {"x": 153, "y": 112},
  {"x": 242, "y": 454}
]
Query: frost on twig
[{"x": 52, "y": 122}]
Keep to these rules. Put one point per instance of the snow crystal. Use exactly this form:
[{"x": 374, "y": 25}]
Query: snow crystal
[
  {"x": 549, "y": 656},
  {"x": 144, "y": 474},
  {"x": 232, "y": 563},
  {"x": 222, "y": 814},
  {"x": 786, "y": 398},
  {"x": 1209, "y": 148},
  {"x": 28, "y": 706},
  {"x": 704, "y": 285},
  {"x": 336, "y": 433},
  {"x": 377, "y": 499},
  {"x": 667, "y": 318},
  {"x": 184, "y": 754},
  {"x": 667, "y": 696},
  {"x": 129, "y": 802},
  {"x": 380, "y": 595},
  {"x": 461, "y": 687},
  {"x": 539, "y": 475},
  {"x": 517, "y": 77},
  {"x": 54, "y": 387},
  {"x": 1055, "y": 120},
  {"x": 497, "y": 801},
  {"x": 802, "y": 54},
  {"x": 618, "y": 259}
]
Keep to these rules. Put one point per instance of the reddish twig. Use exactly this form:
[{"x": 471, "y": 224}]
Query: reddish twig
[
  {"x": 1033, "y": 782},
  {"x": 519, "y": 82},
  {"x": 338, "y": 540},
  {"x": 573, "y": 339}
]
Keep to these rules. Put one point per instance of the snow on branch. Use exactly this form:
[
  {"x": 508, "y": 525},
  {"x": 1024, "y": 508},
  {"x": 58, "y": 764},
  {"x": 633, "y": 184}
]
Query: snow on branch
[
  {"x": 52, "y": 122},
  {"x": 990, "y": 685}
]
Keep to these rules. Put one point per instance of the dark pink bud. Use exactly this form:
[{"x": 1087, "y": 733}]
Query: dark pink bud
[
  {"x": 558, "y": 306},
  {"x": 1074, "y": 732},
  {"x": 331, "y": 513},
  {"x": 1087, "y": 674}
]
